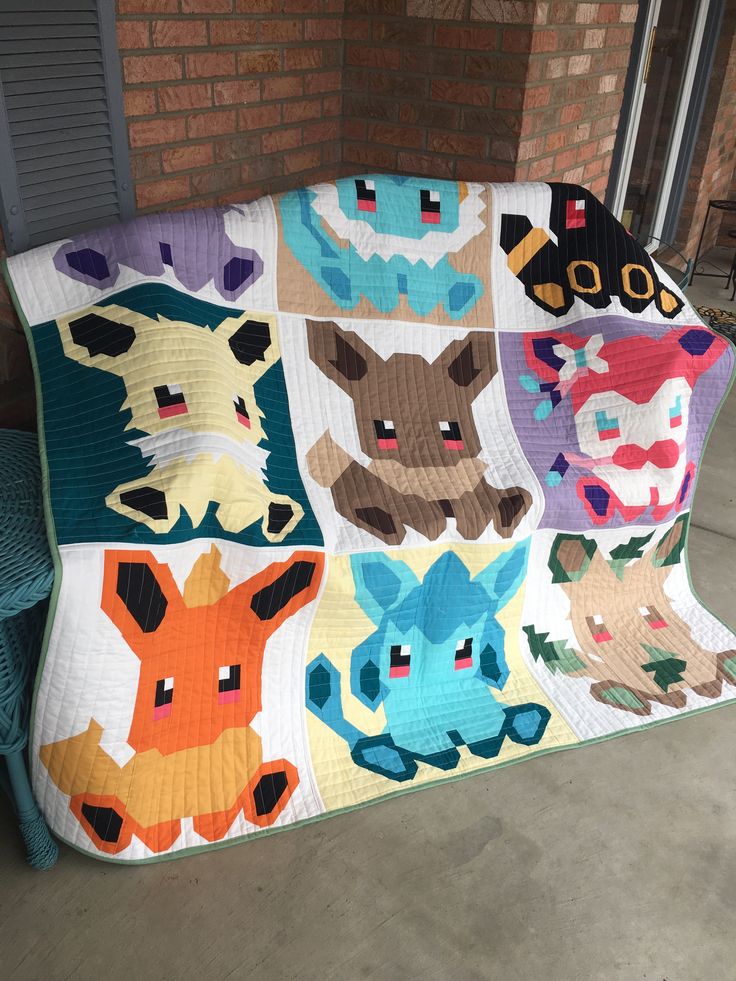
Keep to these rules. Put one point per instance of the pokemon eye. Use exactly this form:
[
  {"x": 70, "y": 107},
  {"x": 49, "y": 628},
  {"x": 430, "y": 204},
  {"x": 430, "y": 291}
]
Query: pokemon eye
[
  {"x": 241, "y": 413},
  {"x": 607, "y": 426},
  {"x": 385, "y": 434},
  {"x": 365, "y": 191},
  {"x": 676, "y": 413},
  {"x": 598, "y": 629},
  {"x": 430, "y": 207},
  {"x": 228, "y": 683},
  {"x": 452, "y": 436},
  {"x": 163, "y": 699},
  {"x": 464, "y": 654},
  {"x": 653, "y": 617},
  {"x": 400, "y": 661},
  {"x": 171, "y": 401}
]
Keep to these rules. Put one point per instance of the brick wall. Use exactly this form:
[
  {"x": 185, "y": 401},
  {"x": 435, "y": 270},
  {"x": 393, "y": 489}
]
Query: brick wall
[
  {"x": 713, "y": 170},
  {"x": 485, "y": 89},
  {"x": 229, "y": 99}
]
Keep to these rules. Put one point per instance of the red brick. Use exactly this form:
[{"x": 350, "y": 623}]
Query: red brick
[
  {"x": 210, "y": 64},
  {"x": 466, "y": 93},
  {"x": 508, "y": 98},
  {"x": 281, "y": 139},
  {"x": 566, "y": 159},
  {"x": 371, "y": 156},
  {"x": 403, "y": 32},
  {"x": 216, "y": 179},
  {"x": 153, "y": 193},
  {"x": 544, "y": 41},
  {"x": 187, "y": 157},
  {"x": 295, "y": 163},
  {"x": 325, "y": 29},
  {"x": 294, "y": 112},
  {"x": 206, "y": 6},
  {"x": 328, "y": 129},
  {"x": 503, "y": 150},
  {"x": 484, "y": 171},
  {"x": 133, "y": 34},
  {"x": 457, "y": 144},
  {"x": 139, "y": 102},
  {"x": 181, "y": 33},
  {"x": 258, "y": 6},
  {"x": 593, "y": 168},
  {"x": 321, "y": 82},
  {"x": 150, "y": 132},
  {"x": 282, "y": 88},
  {"x": 539, "y": 169},
  {"x": 537, "y": 97},
  {"x": 243, "y": 91},
  {"x": 210, "y": 124},
  {"x": 502, "y": 11},
  {"x": 586, "y": 151},
  {"x": 232, "y": 31},
  {"x": 519, "y": 42},
  {"x": 238, "y": 147},
  {"x": 405, "y": 136},
  {"x": 145, "y": 164},
  {"x": 332, "y": 106},
  {"x": 296, "y": 58},
  {"x": 466, "y": 38},
  {"x": 172, "y": 98},
  {"x": 256, "y": 62},
  {"x": 354, "y": 129},
  {"x": 608, "y": 13},
  {"x": 364, "y": 57},
  {"x": 148, "y": 6},
  {"x": 356, "y": 30},
  {"x": 280, "y": 30},
  {"x": 572, "y": 112},
  {"x": 419, "y": 163},
  {"x": 259, "y": 117},
  {"x": 619, "y": 37},
  {"x": 151, "y": 68}
]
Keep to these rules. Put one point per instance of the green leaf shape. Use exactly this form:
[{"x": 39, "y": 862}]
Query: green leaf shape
[{"x": 555, "y": 654}]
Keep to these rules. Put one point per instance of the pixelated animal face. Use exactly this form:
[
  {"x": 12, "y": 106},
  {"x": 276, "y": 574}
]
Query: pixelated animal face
[
  {"x": 613, "y": 612},
  {"x": 407, "y": 409},
  {"x": 610, "y": 425},
  {"x": 178, "y": 707},
  {"x": 436, "y": 631},
  {"x": 417, "y": 218},
  {"x": 176, "y": 374}
]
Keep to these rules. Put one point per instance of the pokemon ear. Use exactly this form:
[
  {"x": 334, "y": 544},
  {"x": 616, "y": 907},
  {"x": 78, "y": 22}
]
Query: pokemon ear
[
  {"x": 341, "y": 355},
  {"x": 137, "y": 592},
  {"x": 250, "y": 341},
  {"x": 669, "y": 548},
  {"x": 101, "y": 336},
  {"x": 471, "y": 363},
  {"x": 271, "y": 599},
  {"x": 570, "y": 557}
]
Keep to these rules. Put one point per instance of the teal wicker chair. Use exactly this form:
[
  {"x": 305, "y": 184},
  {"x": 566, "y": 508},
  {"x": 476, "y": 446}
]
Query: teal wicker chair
[{"x": 26, "y": 575}]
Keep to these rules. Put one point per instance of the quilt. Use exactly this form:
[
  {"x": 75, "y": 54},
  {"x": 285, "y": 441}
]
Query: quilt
[{"x": 352, "y": 490}]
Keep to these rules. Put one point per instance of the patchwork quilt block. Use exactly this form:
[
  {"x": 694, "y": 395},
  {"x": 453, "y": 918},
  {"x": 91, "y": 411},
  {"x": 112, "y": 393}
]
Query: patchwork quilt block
[{"x": 352, "y": 490}]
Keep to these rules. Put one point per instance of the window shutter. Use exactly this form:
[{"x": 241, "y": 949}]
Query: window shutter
[{"x": 64, "y": 161}]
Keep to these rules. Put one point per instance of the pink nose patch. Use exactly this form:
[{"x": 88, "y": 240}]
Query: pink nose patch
[
  {"x": 388, "y": 444},
  {"x": 602, "y": 637},
  {"x": 399, "y": 671},
  {"x": 161, "y": 712},
  {"x": 463, "y": 662},
  {"x": 226, "y": 697},
  {"x": 657, "y": 624},
  {"x": 244, "y": 421},
  {"x": 431, "y": 217},
  {"x": 454, "y": 444},
  {"x": 166, "y": 411},
  {"x": 366, "y": 205}
]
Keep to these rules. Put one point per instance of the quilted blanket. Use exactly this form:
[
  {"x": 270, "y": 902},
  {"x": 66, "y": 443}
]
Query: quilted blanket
[{"x": 352, "y": 490}]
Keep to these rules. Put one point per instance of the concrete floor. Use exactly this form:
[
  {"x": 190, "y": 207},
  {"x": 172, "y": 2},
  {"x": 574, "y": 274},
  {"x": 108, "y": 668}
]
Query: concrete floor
[{"x": 615, "y": 861}]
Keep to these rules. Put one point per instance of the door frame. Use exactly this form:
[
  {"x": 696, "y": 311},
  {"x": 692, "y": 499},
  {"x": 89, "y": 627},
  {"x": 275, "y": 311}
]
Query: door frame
[{"x": 681, "y": 146}]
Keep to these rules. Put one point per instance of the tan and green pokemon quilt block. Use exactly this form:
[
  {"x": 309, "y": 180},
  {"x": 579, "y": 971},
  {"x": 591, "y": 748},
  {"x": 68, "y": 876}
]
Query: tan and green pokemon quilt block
[{"x": 352, "y": 490}]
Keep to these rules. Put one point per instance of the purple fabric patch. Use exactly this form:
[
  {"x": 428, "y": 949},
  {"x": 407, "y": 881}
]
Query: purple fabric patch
[{"x": 193, "y": 244}]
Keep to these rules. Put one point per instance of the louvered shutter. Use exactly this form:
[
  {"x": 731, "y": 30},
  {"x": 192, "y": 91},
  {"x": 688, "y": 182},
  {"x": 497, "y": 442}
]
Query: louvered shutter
[{"x": 63, "y": 148}]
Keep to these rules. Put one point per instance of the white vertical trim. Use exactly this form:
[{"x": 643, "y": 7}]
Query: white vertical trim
[{"x": 636, "y": 108}]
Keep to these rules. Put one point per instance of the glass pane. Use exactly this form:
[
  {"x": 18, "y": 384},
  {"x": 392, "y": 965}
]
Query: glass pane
[{"x": 666, "y": 70}]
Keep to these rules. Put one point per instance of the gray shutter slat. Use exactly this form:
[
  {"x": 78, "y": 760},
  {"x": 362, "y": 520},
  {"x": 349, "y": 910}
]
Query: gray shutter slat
[
  {"x": 34, "y": 73},
  {"x": 51, "y": 189},
  {"x": 65, "y": 165},
  {"x": 63, "y": 143},
  {"x": 54, "y": 96},
  {"x": 34, "y": 150},
  {"x": 12, "y": 31},
  {"x": 27, "y": 119},
  {"x": 64, "y": 137}
]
